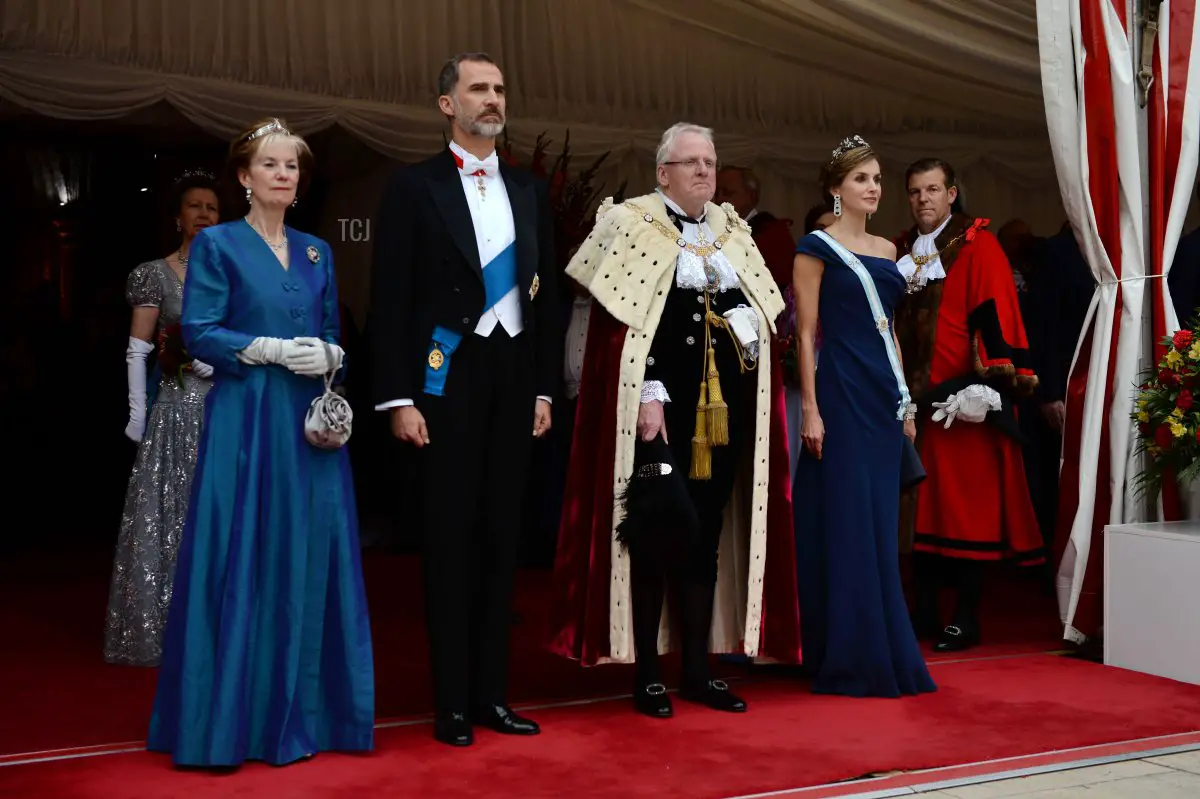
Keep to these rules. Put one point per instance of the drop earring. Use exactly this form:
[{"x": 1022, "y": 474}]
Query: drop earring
[
  {"x": 837, "y": 205},
  {"x": 178, "y": 229},
  {"x": 295, "y": 202},
  {"x": 248, "y": 200}
]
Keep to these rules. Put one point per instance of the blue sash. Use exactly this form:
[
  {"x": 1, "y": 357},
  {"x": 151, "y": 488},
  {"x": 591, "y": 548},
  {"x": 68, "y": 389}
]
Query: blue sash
[
  {"x": 437, "y": 364},
  {"x": 881, "y": 320},
  {"x": 499, "y": 276}
]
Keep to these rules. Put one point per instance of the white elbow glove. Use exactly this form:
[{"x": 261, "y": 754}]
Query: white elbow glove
[
  {"x": 971, "y": 405},
  {"x": 135, "y": 368},
  {"x": 201, "y": 369}
]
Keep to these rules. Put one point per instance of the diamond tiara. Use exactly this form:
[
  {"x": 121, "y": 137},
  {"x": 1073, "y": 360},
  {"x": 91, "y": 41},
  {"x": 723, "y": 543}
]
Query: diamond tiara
[
  {"x": 195, "y": 173},
  {"x": 271, "y": 127},
  {"x": 849, "y": 143}
]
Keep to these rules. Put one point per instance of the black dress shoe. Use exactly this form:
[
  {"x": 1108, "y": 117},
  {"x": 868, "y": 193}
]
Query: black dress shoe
[
  {"x": 453, "y": 729},
  {"x": 501, "y": 719},
  {"x": 652, "y": 700},
  {"x": 715, "y": 694},
  {"x": 956, "y": 639}
]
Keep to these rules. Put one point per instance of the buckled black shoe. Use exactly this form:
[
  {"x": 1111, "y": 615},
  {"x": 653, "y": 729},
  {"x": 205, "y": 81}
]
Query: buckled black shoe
[
  {"x": 652, "y": 700},
  {"x": 714, "y": 694},
  {"x": 956, "y": 639},
  {"x": 501, "y": 719},
  {"x": 453, "y": 729}
]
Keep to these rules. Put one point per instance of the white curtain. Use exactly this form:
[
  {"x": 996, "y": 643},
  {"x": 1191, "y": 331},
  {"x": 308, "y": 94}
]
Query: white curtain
[
  {"x": 781, "y": 81},
  {"x": 1092, "y": 114}
]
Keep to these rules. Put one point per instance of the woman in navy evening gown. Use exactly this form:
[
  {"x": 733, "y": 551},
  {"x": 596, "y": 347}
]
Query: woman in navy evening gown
[
  {"x": 267, "y": 652},
  {"x": 856, "y": 635}
]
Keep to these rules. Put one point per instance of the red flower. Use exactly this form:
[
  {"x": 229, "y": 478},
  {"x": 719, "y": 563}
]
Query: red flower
[
  {"x": 1144, "y": 428},
  {"x": 1163, "y": 437},
  {"x": 172, "y": 354},
  {"x": 1184, "y": 403},
  {"x": 1182, "y": 339},
  {"x": 1167, "y": 378}
]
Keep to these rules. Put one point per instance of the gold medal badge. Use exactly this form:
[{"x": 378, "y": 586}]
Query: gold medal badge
[
  {"x": 436, "y": 359},
  {"x": 533, "y": 288}
]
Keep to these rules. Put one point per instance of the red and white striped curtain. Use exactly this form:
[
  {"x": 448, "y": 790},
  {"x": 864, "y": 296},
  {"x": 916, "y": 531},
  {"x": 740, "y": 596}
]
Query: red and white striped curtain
[
  {"x": 1094, "y": 114},
  {"x": 1173, "y": 110}
]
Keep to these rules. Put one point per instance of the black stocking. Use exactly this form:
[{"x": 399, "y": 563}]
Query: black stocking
[
  {"x": 646, "y": 594},
  {"x": 696, "y": 610},
  {"x": 968, "y": 584},
  {"x": 928, "y": 577}
]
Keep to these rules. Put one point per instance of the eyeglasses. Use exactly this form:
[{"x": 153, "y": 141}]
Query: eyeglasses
[{"x": 694, "y": 163}]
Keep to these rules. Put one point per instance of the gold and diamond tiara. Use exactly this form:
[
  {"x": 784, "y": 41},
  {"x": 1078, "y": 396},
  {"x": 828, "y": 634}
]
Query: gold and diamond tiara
[{"x": 849, "y": 143}]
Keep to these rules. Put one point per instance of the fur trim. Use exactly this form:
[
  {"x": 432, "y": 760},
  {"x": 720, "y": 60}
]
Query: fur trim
[{"x": 628, "y": 266}]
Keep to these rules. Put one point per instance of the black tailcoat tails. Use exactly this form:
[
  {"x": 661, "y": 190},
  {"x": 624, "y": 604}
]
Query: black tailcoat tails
[{"x": 427, "y": 275}]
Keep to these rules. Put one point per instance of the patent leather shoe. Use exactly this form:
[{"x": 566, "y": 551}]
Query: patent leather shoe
[
  {"x": 714, "y": 694},
  {"x": 652, "y": 700},
  {"x": 453, "y": 729},
  {"x": 501, "y": 719},
  {"x": 956, "y": 639}
]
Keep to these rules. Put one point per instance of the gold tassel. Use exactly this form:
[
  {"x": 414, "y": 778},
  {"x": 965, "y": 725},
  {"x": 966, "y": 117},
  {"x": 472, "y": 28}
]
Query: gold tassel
[
  {"x": 718, "y": 411},
  {"x": 701, "y": 451}
]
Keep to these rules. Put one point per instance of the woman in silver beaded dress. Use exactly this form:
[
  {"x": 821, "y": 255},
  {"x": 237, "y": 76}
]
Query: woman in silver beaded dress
[{"x": 168, "y": 431}]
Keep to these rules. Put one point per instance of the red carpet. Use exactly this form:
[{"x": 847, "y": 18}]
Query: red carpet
[
  {"x": 67, "y": 696},
  {"x": 985, "y": 709}
]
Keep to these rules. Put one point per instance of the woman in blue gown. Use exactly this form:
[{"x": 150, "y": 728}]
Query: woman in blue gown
[
  {"x": 856, "y": 635},
  {"x": 267, "y": 652}
]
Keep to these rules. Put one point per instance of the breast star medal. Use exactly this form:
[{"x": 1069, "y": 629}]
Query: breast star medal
[
  {"x": 436, "y": 359},
  {"x": 312, "y": 253},
  {"x": 533, "y": 288}
]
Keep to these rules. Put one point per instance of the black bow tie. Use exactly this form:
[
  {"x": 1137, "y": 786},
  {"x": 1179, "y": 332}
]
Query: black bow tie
[{"x": 677, "y": 219}]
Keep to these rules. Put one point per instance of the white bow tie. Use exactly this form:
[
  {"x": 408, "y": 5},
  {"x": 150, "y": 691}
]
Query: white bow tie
[{"x": 473, "y": 166}]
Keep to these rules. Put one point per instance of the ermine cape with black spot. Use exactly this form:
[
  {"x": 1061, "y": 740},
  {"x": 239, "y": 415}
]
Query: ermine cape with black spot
[{"x": 756, "y": 610}]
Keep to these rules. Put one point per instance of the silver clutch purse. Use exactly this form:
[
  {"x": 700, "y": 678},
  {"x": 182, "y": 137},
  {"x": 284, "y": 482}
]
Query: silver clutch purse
[{"x": 329, "y": 420}]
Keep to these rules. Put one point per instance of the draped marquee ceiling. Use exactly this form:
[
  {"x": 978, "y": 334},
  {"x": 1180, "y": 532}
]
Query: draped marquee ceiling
[{"x": 781, "y": 81}]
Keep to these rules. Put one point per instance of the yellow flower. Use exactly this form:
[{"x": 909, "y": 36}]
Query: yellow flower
[
  {"x": 1194, "y": 352},
  {"x": 1174, "y": 359},
  {"x": 1177, "y": 413},
  {"x": 1143, "y": 416},
  {"x": 1177, "y": 429}
]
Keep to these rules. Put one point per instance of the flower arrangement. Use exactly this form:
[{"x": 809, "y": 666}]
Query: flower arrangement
[
  {"x": 172, "y": 354},
  {"x": 573, "y": 201},
  {"x": 1168, "y": 415}
]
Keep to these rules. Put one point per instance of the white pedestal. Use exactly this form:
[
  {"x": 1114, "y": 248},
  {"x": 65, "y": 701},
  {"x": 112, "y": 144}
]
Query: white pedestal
[{"x": 1152, "y": 598}]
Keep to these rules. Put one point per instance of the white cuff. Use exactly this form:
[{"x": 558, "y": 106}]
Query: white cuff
[
  {"x": 387, "y": 406},
  {"x": 654, "y": 391},
  {"x": 547, "y": 399}
]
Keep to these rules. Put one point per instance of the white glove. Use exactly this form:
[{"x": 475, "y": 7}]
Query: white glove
[
  {"x": 201, "y": 369},
  {"x": 264, "y": 350},
  {"x": 743, "y": 321},
  {"x": 135, "y": 368},
  {"x": 971, "y": 405},
  {"x": 312, "y": 358}
]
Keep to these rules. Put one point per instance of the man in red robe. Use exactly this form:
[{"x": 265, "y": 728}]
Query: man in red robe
[
  {"x": 966, "y": 361},
  {"x": 679, "y": 473},
  {"x": 738, "y": 186}
]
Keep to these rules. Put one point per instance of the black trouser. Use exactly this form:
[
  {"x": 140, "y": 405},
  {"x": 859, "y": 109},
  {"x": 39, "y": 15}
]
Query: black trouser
[
  {"x": 474, "y": 468},
  {"x": 965, "y": 577}
]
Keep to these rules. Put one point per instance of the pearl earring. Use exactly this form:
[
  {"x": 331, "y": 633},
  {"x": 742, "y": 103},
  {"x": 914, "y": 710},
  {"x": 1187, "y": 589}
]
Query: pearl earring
[
  {"x": 248, "y": 200},
  {"x": 837, "y": 205},
  {"x": 177, "y": 227}
]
